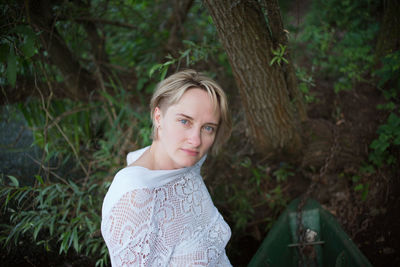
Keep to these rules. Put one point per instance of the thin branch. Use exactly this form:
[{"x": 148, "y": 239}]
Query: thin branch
[
  {"x": 15, "y": 141},
  {"x": 65, "y": 114},
  {"x": 48, "y": 170},
  {"x": 61, "y": 131},
  {"x": 105, "y": 21},
  {"x": 47, "y": 121}
]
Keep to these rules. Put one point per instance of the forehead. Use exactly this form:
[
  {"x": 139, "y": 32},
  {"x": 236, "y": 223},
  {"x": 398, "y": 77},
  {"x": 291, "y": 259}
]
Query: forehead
[{"x": 197, "y": 103}]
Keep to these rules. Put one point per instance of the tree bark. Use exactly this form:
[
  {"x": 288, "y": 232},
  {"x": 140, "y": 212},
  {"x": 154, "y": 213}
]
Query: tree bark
[
  {"x": 279, "y": 36},
  {"x": 267, "y": 91},
  {"x": 389, "y": 34}
]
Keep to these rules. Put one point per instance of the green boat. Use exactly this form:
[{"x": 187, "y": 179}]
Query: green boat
[{"x": 325, "y": 243}]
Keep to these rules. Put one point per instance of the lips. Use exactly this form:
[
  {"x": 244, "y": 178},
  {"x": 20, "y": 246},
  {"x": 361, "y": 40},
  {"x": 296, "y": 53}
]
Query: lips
[{"x": 190, "y": 152}]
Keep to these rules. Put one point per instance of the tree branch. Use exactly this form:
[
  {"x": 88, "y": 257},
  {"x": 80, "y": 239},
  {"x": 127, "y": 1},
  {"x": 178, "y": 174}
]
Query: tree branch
[
  {"x": 79, "y": 82},
  {"x": 105, "y": 21},
  {"x": 175, "y": 25}
]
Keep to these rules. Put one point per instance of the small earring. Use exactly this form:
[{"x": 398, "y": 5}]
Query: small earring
[{"x": 156, "y": 132}]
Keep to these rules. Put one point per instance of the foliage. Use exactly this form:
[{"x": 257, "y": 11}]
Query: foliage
[
  {"x": 279, "y": 55},
  {"x": 340, "y": 36},
  {"x": 16, "y": 52},
  {"x": 283, "y": 172},
  {"x": 136, "y": 35},
  {"x": 62, "y": 212},
  {"x": 257, "y": 192},
  {"x": 193, "y": 54},
  {"x": 389, "y": 138},
  {"x": 306, "y": 82},
  {"x": 389, "y": 80},
  {"x": 85, "y": 143},
  {"x": 383, "y": 149},
  {"x": 54, "y": 212},
  {"x": 360, "y": 180},
  {"x": 363, "y": 188}
]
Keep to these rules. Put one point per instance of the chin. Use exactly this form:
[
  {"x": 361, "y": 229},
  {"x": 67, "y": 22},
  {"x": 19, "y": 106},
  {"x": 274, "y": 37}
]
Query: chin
[{"x": 188, "y": 162}]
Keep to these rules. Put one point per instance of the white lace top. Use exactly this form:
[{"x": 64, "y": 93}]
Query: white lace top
[{"x": 162, "y": 218}]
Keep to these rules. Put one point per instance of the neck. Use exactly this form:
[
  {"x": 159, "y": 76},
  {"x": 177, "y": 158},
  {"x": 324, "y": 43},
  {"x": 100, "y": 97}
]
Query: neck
[{"x": 154, "y": 161}]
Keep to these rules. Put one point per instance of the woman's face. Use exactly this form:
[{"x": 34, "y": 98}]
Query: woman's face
[{"x": 186, "y": 130}]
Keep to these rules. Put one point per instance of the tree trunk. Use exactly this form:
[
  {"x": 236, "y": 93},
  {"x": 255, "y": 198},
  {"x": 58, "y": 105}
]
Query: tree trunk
[
  {"x": 79, "y": 82},
  {"x": 95, "y": 37},
  {"x": 175, "y": 25},
  {"x": 389, "y": 34},
  {"x": 273, "y": 107}
]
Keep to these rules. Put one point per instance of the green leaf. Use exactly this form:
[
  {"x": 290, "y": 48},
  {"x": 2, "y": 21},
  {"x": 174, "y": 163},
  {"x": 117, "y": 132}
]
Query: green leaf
[
  {"x": 359, "y": 187},
  {"x": 90, "y": 225},
  {"x": 13, "y": 180},
  {"x": 283, "y": 48},
  {"x": 356, "y": 178},
  {"x": 154, "y": 68},
  {"x": 37, "y": 230},
  {"x": 273, "y": 61},
  {"x": 4, "y": 48},
  {"x": 140, "y": 84},
  {"x": 189, "y": 43},
  {"x": 393, "y": 120},
  {"x": 185, "y": 53},
  {"x": 22, "y": 29},
  {"x": 75, "y": 240},
  {"x": 12, "y": 67},
  {"x": 23, "y": 195},
  {"x": 65, "y": 237},
  {"x": 364, "y": 194},
  {"x": 164, "y": 73},
  {"x": 396, "y": 141},
  {"x": 75, "y": 187},
  {"x": 28, "y": 48},
  {"x": 40, "y": 179}
]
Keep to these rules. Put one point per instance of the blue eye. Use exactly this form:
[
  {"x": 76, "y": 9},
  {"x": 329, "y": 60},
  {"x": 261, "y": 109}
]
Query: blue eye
[
  {"x": 184, "y": 121},
  {"x": 209, "y": 129}
]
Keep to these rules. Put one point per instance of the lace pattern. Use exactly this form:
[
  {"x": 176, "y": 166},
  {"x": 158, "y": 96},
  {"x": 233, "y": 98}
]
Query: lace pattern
[{"x": 175, "y": 224}]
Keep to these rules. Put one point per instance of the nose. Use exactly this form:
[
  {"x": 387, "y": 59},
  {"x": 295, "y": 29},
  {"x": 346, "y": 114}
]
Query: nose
[{"x": 194, "y": 137}]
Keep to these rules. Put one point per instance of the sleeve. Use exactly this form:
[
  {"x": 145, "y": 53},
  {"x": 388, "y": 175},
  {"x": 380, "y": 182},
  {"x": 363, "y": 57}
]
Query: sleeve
[{"x": 127, "y": 230}]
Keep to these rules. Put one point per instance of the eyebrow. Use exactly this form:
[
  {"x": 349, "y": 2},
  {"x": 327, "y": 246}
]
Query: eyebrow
[{"x": 190, "y": 118}]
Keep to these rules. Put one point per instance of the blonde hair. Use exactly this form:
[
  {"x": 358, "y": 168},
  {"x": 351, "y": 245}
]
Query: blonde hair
[{"x": 169, "y": 91}]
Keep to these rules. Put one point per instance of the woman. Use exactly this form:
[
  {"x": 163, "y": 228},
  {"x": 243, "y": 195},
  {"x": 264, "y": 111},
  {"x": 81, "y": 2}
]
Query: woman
[{"x": 157, "y": 211}]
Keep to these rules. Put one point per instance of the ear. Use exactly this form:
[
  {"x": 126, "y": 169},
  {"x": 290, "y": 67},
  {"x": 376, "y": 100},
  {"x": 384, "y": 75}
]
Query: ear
[{"x": 157, "y": 116}]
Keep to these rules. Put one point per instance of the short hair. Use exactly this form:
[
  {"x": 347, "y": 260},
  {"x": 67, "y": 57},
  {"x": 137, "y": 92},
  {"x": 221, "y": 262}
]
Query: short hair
[{"x": 169, "y": 91}]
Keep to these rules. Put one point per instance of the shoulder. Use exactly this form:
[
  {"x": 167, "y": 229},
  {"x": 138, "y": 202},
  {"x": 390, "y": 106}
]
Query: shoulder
[
  {"x": 135, "y": 155},
  {"x": 131, "y": 178},
  {"x": 126, "y": 180}
]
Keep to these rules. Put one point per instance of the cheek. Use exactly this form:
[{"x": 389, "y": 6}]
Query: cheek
[
  {"x": 208, "y": 141},
  {"x": 173, "y": 133}
]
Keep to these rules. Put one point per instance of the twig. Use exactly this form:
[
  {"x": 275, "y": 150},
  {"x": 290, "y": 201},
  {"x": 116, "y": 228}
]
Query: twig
[
  {"x": 59, "y": 128},
  {"x": 45, "y": 129},
  {"x": 105, "y": 21},
  {"x": 65, "y": 114},
  {"x": 48, "y": 169},
  {"x": 15, "y": 141}
]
